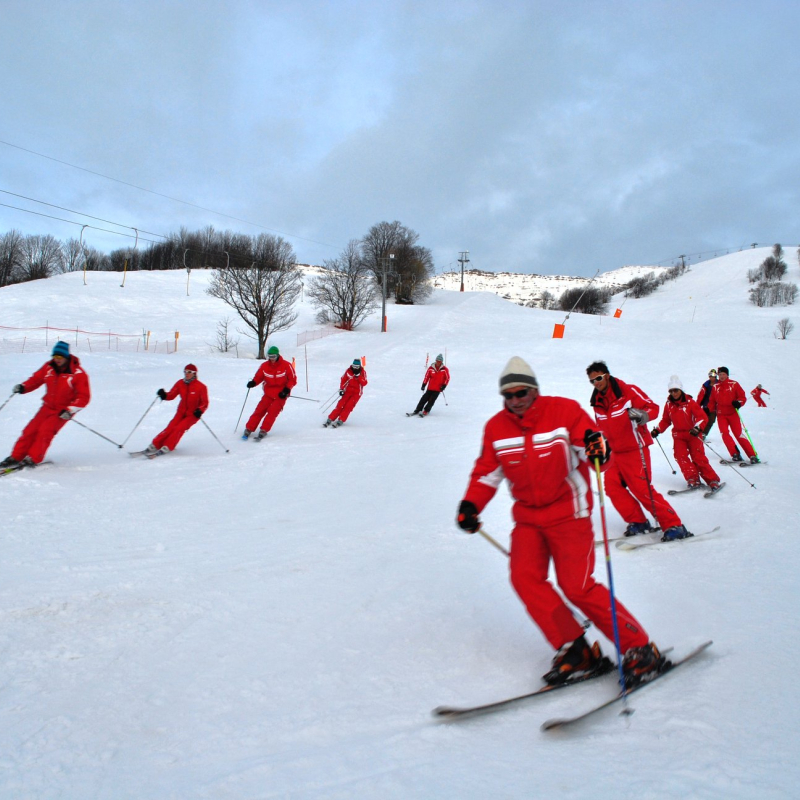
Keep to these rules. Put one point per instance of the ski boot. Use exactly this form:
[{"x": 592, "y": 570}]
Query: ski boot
[
  {"x": 755, "y": 460},
  {"x": 27, "y": 462},
  {"x": 676, "y": 532},
  {"x": 259, "y": 436},
  {"x": 576, "y": 660},
  {"x": 635, "y": 528},
  {"x": 737, "y": 456},
  {"x": 338, "y": 423},
  {"x": 8, "y": 462},
  {"x": 693, "y": 485},
  {"x": 641, "y": 664},
  {"x": 246, "y": 435},
  {"x": 328, "y": 423},
  {"x": 151, "y": 448}
]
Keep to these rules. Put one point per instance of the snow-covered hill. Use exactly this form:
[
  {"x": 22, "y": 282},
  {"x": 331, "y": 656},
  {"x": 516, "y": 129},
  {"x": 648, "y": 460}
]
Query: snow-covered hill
[{"x": 279, "y": 621}]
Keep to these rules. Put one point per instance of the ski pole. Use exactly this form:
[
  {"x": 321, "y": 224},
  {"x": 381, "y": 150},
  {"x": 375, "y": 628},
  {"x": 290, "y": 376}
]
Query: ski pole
[
  {"x": 140, "y": 421},
  {"x": 310, "y": 399},
  {"x": 492, "y": 541},
  {"x": 614, "y": 621},
  {"x": 329, "y": 402},
  {"x": 666, "y": 456},
  {"x": 242, "y": 411},
  {"x": 6, "y": 402},
  {"x": 746, "y": 432},
  {"x": 72, "y": 419},
  {"x": 644, "y": 469},
  {"x": 445, "y": 398},
  {"x": 215, "y": 435},
  {"x": 752, "y": 485}
]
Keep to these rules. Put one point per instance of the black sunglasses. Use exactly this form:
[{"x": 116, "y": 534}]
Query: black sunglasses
[{"x": 518, "y": 393}]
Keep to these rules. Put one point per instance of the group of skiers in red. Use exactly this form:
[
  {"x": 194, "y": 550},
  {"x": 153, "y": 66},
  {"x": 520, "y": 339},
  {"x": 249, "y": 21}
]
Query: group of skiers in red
[
  {"x": 543, "y": 446},
  {"x": 67, "y": 391}
]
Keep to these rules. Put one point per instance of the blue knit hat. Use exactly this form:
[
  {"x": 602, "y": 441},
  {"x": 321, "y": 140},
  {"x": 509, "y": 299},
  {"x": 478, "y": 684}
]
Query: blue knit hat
[
  {"x": 357, "y": 362},
  {"x": 440, "y": 357},
  {"x": 61, "y": 349}
]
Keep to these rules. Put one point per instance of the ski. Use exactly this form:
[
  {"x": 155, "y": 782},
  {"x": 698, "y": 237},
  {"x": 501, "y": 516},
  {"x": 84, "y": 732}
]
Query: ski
[
  {"x": 712, "y": 492},
  {"x": 411, "y": 413},
  {"x": 687, "y": 490},
  {"x": 629, "y": 545},
  {"x": 20, "y": 467},
  {"x": 563, "y": 722},
  {"x": 740, "y": 463},
  {"x": 624, "y": 538},
  {"x": 137, "y": 453},
  {"x": 454, "y": 712}
]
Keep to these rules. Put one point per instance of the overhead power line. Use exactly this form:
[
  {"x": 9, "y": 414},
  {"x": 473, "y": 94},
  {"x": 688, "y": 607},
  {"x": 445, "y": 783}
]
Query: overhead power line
[{"x": 161, "y": 194}]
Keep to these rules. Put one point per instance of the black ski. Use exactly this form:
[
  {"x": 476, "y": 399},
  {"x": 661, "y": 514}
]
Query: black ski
[
  {"x": 623, "y": 538},
  {"x": 740, "y": 463},
  {"x": 411, "y": 413},
  {"x": 629, "y": 545},
  {"x": 688, "y": 489},
  {"x": 20, "y": 467},
  {"x": 563, "y": 722},
  {"x": 712, "y": 492},
  {"x": 453, "y": 712}
]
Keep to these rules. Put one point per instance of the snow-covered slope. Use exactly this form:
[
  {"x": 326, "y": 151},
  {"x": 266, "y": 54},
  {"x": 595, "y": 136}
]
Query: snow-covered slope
[{"x": 280, "y": 620}]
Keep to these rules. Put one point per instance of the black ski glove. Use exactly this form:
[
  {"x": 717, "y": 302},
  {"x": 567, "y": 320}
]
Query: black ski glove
[
  {"x": 162, "y": 394},
  {"x": 19, "y": 389},
  {"x": 597, "y": 446},
  {"x": 655, "y": 433},
  {"x": 198, "y": 413},
  {"x": 283, "y": 392},
  {"x": 467, "y": 518},
  {"x": 341, "y": 392},
  {"x": 736, "y": 404},
  {"x": 67, "y": 414},
  {"x": 422, "y": 388},
  {"x": 444, "y": 386},
  {"x": 697, "y": 432},
  {"x": 250, "y": 384}
]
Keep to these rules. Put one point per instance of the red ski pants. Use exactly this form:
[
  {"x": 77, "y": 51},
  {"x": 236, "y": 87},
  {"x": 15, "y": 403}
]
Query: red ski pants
[
  {"x": 38, "y": 434},
  {"x": 760, "y": 402},
  {"x": 691, "y": 457},
  {"x": 731, "y": 424},
  {"x": 173, "y": 433},
  {"x": 627, "y": 486},
  {"x": 267, "y": 409},
  {"x": 570, "y": 545},
  {"x": 345, "y": 406}
]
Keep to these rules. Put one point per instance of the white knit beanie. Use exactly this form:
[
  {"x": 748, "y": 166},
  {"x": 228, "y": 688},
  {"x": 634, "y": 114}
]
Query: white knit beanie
[
  {"x": 675, "y": 383},
  {"x": 517, "y": 373}
]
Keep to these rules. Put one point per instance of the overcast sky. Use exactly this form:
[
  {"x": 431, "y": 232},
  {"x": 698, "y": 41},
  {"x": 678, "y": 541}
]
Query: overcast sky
[{"x": 550, "y": 137}]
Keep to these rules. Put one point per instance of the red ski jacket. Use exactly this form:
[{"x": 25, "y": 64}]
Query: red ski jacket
[
  {"x": 69, "y": 388},
  {"x": 352, "y": 383},
  {"x": 193, "y": 395},
  {"x": 756, "y": 393},
  {"x": 437, "y": 379},
  {"x": 683, "y": 414},
  {"x": 276, "y": 376},
  {"x": 541, "y": 454},
  {"x": 722, "y": 396},
  {"x": 611, "y": 411},
  {"x": 704, "y": 395}
]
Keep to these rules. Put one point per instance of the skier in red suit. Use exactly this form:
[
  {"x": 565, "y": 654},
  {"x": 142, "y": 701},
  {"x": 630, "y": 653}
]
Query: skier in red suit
[
  {"x": 727, "y": 397},
  {"x": 351, "y": 387},
  {"x": 623, "y": 411},
  {"x": 278, "y": 377},
  {"x": 193, "y": 404},
  {"x": 687, "y": 420},
  {"x": 756, "y": 395},
  {"x": 66, "y": 392},
  {"x": 436, "y": 379},
  {"x": 540, "y": 445}
]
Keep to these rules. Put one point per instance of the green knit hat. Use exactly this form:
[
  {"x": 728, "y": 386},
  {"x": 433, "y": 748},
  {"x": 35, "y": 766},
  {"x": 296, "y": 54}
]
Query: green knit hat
[
  {"x": 273, "y": 351},
  {"x": 440, "y": 357}
]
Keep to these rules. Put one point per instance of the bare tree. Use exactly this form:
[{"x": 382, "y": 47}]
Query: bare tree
[
  {"x": 346, "y": 293},
  {"x": 73, "y": 256},
  {"x": 10, "y": 257},
  {"x": 412, "y": 264},
  {"x": 41, "y": 257},
  {"x": 264, "y": 293},
  {"x": 225, "y": 341},
  {"x": 784, "y": 327}
]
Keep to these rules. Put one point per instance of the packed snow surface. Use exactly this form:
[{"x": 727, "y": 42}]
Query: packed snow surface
[{"x": 278, "y": 621}]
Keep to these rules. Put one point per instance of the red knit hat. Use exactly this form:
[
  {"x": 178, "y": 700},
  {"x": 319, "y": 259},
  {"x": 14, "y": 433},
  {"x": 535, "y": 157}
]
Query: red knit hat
[{"x": 190, "y": 368}]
